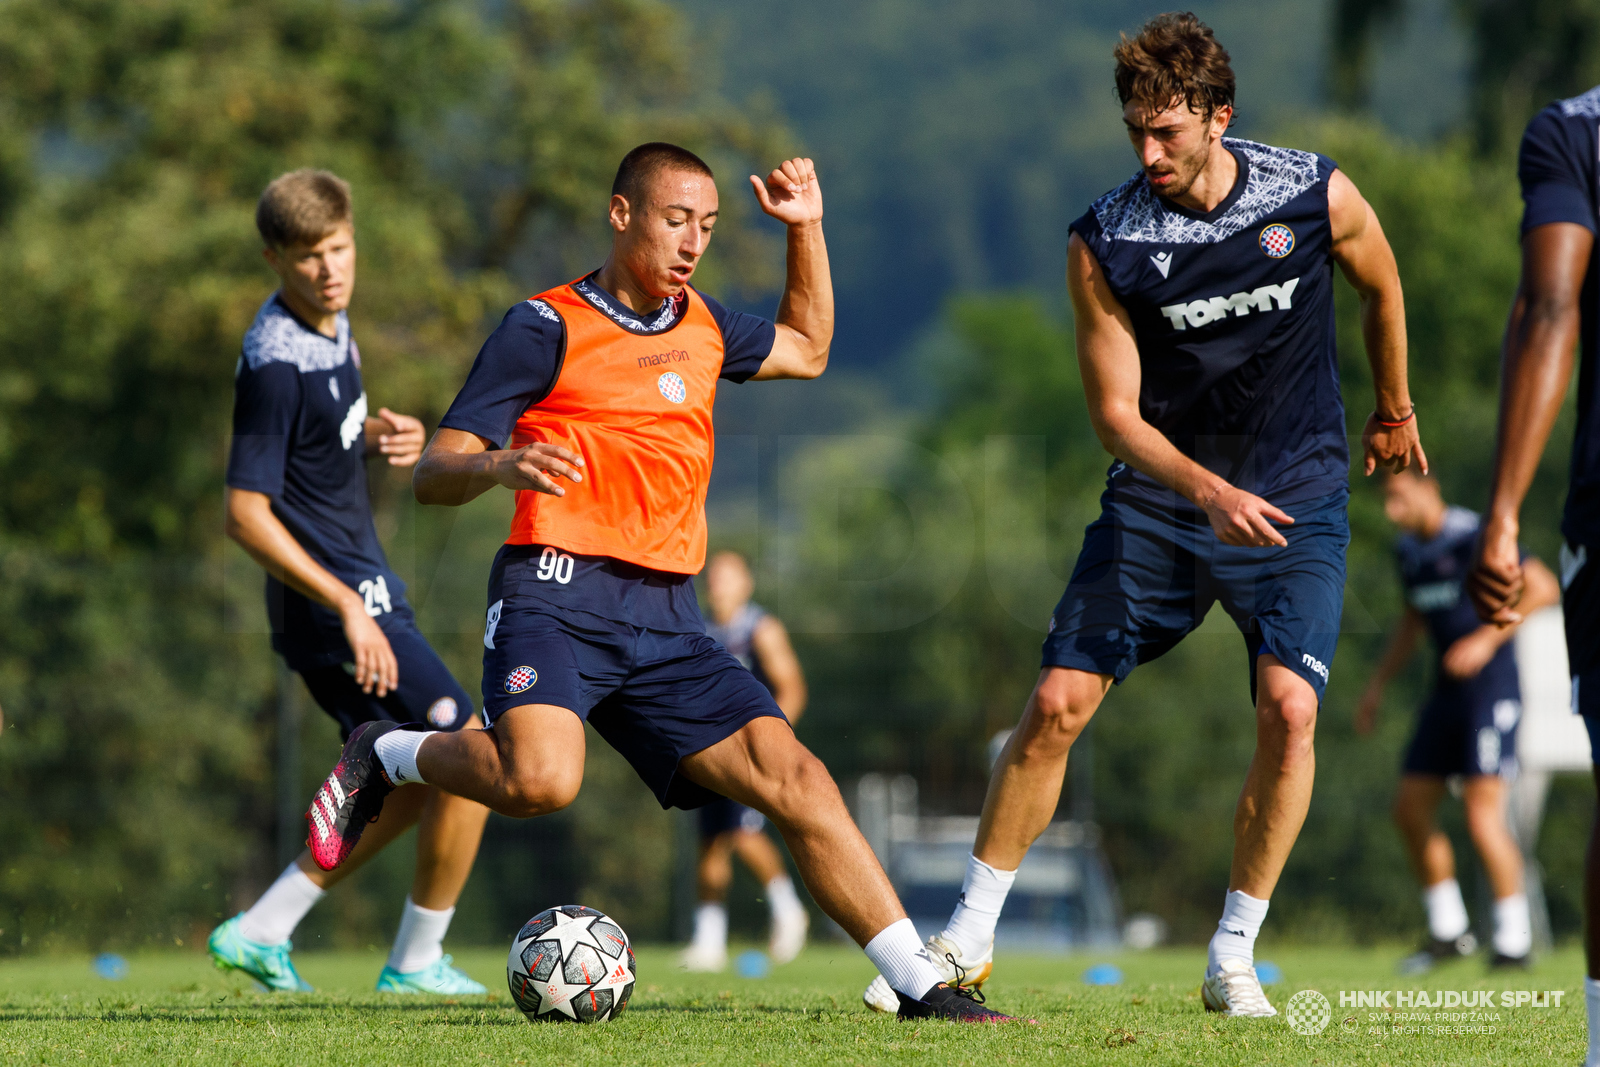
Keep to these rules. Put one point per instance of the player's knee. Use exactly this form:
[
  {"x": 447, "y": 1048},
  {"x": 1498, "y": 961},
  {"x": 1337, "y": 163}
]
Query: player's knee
[
  {"x": 804, "y": 790},
  {"x": 540, "y": 791},
  {"x": 1485, "y": 821},
  {"x": 1054, "y": 722},
  {"x": 1292, "y": 715}
]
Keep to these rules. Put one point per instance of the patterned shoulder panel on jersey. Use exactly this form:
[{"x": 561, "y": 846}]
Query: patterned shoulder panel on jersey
[
  {"x": 1131, "y": 212},
  {"x": 1584, "y": 106},
  {"x": 278, "y": 337}
]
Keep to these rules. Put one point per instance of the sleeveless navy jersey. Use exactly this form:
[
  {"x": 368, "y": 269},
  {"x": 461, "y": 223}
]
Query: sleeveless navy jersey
[
  {"x": 1431, "y": 573},
  {"x": 736, "y": 637},
  {"x": 299, "y": 437},
  {"x": 1558, "y": 172},
  {"x": 1233, "y": 313}
]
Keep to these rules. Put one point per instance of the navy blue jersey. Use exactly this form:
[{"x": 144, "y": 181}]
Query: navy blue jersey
[
  {"x": 518, "y": 367},
  {"x": 1232, "y": 310},
  {"x": 737, "y": 637},
  {"x": 299, "y": 437},
  {"x": 1432, "y": 573},
  {"x": 1557, "y": 169}
]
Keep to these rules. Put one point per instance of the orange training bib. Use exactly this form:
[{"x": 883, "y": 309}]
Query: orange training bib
[{"x": 637, "y": 408}]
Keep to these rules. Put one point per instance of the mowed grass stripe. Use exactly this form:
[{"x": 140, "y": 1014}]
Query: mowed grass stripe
[{"x": 175, "y": 1008}]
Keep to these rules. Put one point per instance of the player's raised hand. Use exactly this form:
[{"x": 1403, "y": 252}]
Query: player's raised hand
[
  {"x": 403, "y": 441},
  {"x": 1392, "y": 447},
  {"x": 791, "y": 193},
  {"x": 537, "y": 466},
  {"x": 1244, "y": 519},
  {"x": 377, "y": 671}
]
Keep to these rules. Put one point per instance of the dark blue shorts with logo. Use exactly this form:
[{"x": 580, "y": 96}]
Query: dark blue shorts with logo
[
  {"x": 1147, "y": 577},
  {"x": 1467, "y": 728},
  {"x": 655, "y": 697},
  {"x": 428, "y": 693}
]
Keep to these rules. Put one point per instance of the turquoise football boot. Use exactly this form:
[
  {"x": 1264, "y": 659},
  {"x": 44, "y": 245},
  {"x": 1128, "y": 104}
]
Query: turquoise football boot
[
  {"x": 442, "y": 977},
  {"x": 268, "y": 964}
]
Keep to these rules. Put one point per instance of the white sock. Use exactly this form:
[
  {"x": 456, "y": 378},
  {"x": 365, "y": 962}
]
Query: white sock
[
  {"x": 782, "y": 899},
  {"x": 273, "y": 918},
  {"x": 397, "y": 752},
  {"x": 983, "y": 894},
  {"x": 1235, "y": 938},
  {"x": 711, "y": 926},
  {"x": 420, "y": 942},
  {"x": 1591, "y": 997},
  {"x": 897, "y": 953},
  {"x": 1447, "y": 912},
  {"x": 1513, "y": 926}
]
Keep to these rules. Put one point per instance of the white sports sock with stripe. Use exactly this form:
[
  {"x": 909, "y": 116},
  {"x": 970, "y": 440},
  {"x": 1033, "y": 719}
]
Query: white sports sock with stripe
[
  {"x": 898, "y": 954},
  {"x": 397, "y": 752}
]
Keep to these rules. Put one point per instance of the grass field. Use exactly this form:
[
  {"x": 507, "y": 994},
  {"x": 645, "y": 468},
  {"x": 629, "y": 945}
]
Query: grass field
[{"x": 174, "y": 1008}]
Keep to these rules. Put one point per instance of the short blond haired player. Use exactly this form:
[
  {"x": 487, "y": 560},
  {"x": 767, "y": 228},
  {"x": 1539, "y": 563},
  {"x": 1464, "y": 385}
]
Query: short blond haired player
[{"x": 297, "y": 502}]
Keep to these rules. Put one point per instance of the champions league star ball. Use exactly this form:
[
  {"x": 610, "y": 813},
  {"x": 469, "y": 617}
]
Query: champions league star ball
[{"x": 571, "y": 964}]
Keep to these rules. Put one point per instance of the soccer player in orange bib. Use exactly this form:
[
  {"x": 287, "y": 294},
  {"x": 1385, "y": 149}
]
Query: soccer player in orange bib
[{"x": 604, "y": 388}]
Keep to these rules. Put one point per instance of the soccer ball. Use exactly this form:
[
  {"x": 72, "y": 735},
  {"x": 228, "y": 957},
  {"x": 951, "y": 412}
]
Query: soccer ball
[{"x": 571, "y": 964}]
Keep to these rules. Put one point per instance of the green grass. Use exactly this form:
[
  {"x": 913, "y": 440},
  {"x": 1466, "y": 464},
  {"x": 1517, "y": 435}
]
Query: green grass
[{"x": 174, "y": 1008}]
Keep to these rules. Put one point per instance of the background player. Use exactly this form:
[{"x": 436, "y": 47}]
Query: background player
[
  {"x": 1554, "y": 307},
  {"x": 727, "y": 828},
  {"x": 1467, "y": 727},
  {"x": 297, "y": 502},
  {"x": 605, "y": 388},
  {"x": 1202, "y": 291}
]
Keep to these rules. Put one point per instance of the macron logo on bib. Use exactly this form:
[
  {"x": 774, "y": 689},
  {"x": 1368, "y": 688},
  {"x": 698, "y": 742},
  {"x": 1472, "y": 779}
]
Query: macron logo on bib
[{"x": 1212, "y": 309}]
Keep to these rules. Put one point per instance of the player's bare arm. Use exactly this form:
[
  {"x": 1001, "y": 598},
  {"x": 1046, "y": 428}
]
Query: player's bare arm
[
  {"x": 1390, "y": 438},
  {"x": 396, "y": 436},
  {"x": 1470, "y": 654},
  {"x": 1402, "y": 646},
  {"x": 770, "y": 643},
  {"x": 792, "y": 195},
  {"x": 1536, "y": 367},
  {"x": 251, "y": 523},
  {"x": 1108, "y": 359},
  {"x": 459, "y": 466}
]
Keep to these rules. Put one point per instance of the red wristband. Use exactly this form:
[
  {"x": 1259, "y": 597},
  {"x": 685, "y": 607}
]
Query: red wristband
[{"x": 1396, "y": 425}]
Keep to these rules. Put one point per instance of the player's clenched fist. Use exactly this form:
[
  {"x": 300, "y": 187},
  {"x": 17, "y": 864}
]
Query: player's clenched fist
[
  {"x": 536, "y": 467},
  {"x": 791, "y": 193}
]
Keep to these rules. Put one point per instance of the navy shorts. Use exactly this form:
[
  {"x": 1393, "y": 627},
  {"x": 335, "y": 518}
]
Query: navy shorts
[
  {"x": 723, "y": 816},
  {"x": 428, "y": 694},
  {"x": 1146, "y": 578},
  {"x": 655, "y": 697},
  {"x": 1466, "y": 729}
]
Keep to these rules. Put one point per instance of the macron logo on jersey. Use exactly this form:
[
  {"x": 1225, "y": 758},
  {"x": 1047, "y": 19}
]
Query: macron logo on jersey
[
  {"x": 1316, "y": 665},
  {"x": 1200, "y": 312}
]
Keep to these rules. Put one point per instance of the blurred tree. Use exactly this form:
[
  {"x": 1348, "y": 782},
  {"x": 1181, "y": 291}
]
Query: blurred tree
[
  {"x": 134, "y": 138},
  {"x": 1526, "y": 53}
]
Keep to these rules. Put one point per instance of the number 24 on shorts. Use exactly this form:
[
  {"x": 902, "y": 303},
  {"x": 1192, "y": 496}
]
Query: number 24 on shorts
[
  {"x": 375, "y": 592},
  {"x": 557, "y": 565}
]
